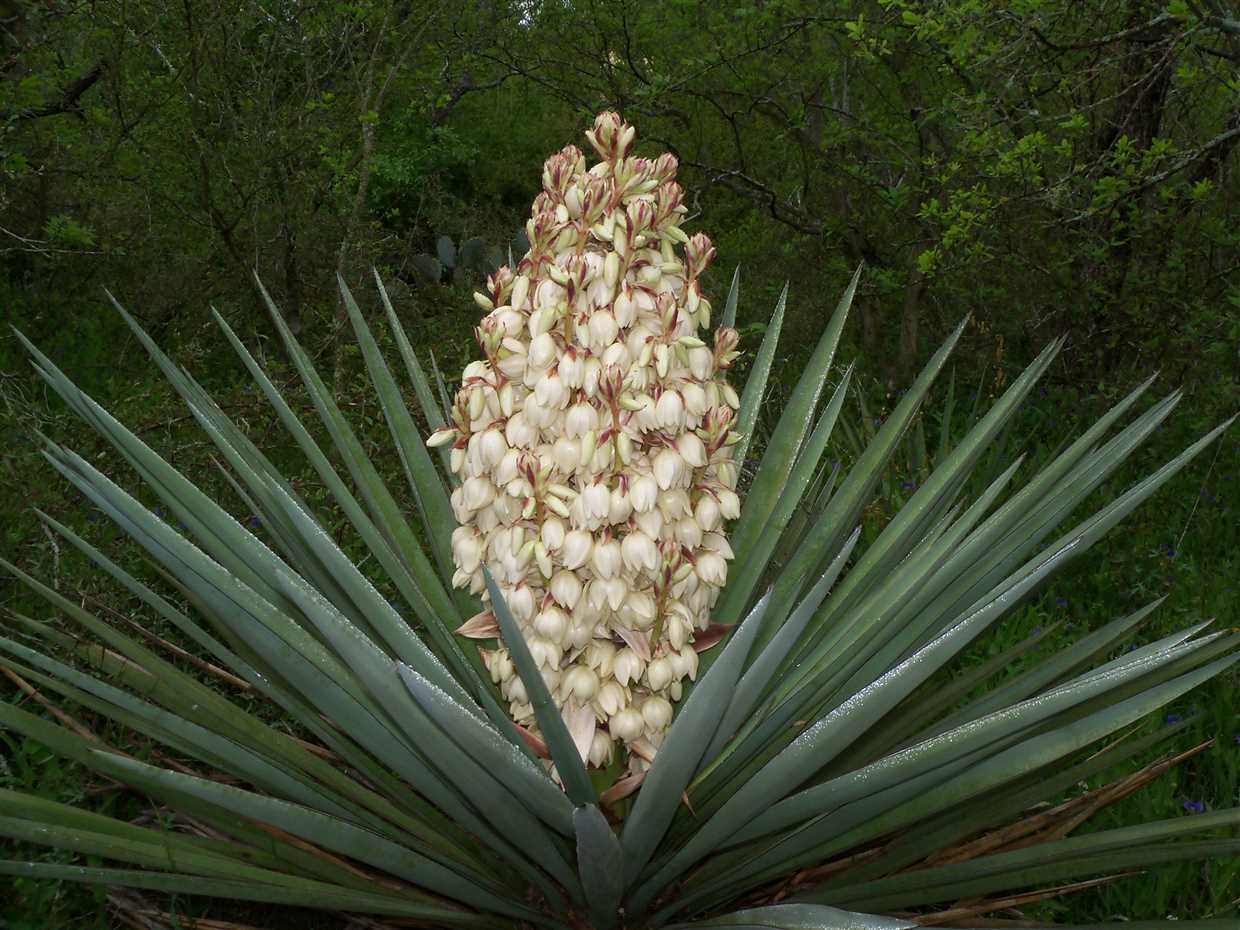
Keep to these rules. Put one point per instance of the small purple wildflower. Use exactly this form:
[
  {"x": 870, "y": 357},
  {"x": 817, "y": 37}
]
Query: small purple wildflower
[
  {"x": 1061, "y": 602},
  {"x": 908, "y": 485},
  {"x": 253, "y": 522},
  {"x": 1174, "y": 718},
  {"x": 1195, "y": 807}
]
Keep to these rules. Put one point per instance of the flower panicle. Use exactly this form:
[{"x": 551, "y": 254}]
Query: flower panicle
[{"x": 594, "y": 446}]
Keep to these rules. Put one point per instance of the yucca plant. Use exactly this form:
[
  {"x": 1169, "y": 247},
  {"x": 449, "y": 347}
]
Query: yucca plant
[{"x": 654, "y": 737}]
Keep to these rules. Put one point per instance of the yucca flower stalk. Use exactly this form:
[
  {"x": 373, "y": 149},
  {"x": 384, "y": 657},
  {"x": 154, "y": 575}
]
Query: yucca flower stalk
[
  {"x": 827, "y": 760},
  {"x": 594, "y": 445}
]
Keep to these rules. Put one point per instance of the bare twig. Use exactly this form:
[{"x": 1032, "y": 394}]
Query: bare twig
[
  {"x": 210, "y": 668},
  {"x": 953, "y": 915},
  {"x": 35, "y": 695}
]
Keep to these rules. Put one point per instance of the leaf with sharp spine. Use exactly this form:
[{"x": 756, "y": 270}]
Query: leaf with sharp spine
[
  {"x": 932, "y": 752},
  {"x": 318, "y": 828},
  {"x": 845, "y": 504},
  {"x": 682, "y": 750},
  {"x": 158, "y": 849},
  {"x": 376, "y": 671},
  {"x": 600, "y": 862},
  {"x": 745, "y": 573},
  {"x": 909, "y": 722},
  {"x": 784, "y": 444},
  {"x": 172, "y": 730},
  {"x": 906, "y": 524},
  {"x": 188, "y": 697},
  {"x": 758, "y": 676},
  {"x": 384, "y": 509},
  {"x": 879, "y": 814},
  {"x": 1079, "y": 654},
  {"x": 279, "y": 857},
  {"x": 1003, "y": 803},
  {"x": 870, "y": 639},
  {"x": 421, "y": 386},
  {"x": 729, "y": 308},
  {"x": 307, "y": 664},
  {"x": 981, "y": 547},
  {"x": 312, "y": 825},
  {"x": 563, "y": 751},
  {"x": 1106, "y": 850},
  {"x": 493, "y": 752},
  {"x": 424, "y": 481},
  {"x": 755, "y": 387},
  {"x": 415, "y": 580},
  {"x": 324, "y": 896},
  {"x": 403, "y": 642},
  {"x": 807, "y": 709},
  {"x": 829, "y": 736}
]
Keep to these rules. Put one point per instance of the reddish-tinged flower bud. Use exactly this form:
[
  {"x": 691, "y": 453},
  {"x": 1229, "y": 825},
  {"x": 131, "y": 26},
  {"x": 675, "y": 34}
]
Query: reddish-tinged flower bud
[
  {"x": 640, "y": 217},
  {"x": 665, "y": 167},
  {"x": 607, "y": 135},
  {"x": 699, "y": 254}
]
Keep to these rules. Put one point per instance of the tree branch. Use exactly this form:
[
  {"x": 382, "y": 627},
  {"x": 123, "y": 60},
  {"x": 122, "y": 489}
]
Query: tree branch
[{"x": 68, "y": 100}]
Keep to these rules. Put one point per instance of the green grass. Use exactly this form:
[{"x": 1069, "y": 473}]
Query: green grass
[{"x": 1183, "y": 544}]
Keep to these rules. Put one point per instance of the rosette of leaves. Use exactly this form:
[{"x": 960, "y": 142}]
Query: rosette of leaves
[{"x": 819, "y": 773}]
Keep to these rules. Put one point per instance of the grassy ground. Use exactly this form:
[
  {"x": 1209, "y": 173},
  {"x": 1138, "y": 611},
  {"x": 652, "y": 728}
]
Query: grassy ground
[{"x": 1183, "y": 544}]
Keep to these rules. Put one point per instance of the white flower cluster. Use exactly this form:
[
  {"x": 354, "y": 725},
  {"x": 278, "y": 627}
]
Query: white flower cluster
[{"x": 594, "y": 447}]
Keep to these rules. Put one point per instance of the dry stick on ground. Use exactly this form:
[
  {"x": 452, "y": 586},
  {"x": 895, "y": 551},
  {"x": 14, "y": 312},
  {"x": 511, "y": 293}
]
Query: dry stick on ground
[
  {"x": 320, "y": 853},
  {"x": 33, "y": 693},
  {"x": 134, "y": 911},
  {"x": 1059, "y": 821},
  {"x": 956, "y": 916},
  {"x": 239, "y": 683},
  {"x": 1043, "y": 826}
]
